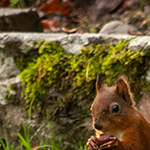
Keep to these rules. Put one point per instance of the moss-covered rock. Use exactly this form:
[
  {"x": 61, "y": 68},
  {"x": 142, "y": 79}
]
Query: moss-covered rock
[
  {"x": 72, "y": 77},
  {"x": 61, "y": 86}
]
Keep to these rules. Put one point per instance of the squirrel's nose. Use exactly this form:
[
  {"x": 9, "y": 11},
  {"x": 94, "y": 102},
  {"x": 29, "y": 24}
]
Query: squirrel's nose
[{"x": 97, "y": 125}]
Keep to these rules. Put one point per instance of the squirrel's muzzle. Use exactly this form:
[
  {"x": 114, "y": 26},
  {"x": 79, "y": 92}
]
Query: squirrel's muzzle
[{"x": 97, "y": 124}]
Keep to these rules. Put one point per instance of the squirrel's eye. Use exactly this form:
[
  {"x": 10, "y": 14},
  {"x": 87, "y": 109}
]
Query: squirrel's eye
[{"x": 115, "y": 109}]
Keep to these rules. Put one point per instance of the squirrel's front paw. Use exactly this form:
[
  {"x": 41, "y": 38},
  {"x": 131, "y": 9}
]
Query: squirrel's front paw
[
  {"x": 103, "y": 142},
  {"x": 96, "y": 143},
  {"x": 111, "y": 142},
  {"x": 93, "y": 143}
]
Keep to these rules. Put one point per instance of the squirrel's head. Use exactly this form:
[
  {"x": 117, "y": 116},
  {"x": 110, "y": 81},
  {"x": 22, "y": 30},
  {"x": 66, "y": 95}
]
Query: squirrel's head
[{"x": 112, "y": 106}]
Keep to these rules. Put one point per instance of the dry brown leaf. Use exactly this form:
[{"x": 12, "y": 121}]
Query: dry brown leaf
[
  {"x": 54, "y": 6},
  {"x": 69, "y": 30},
  {"x": 134, "y": 33},
  {"x": 50, "y": 24}
]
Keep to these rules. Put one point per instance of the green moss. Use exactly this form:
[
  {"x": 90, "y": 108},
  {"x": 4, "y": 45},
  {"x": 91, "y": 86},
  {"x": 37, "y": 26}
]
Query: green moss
[
  {"x": 87, "y": 26},
  {"x": 61, "y": 84},
  {"x": 13, "y": 94},
  {"x": 24, "y": 57},
  {"x": 44, "y": 74}
]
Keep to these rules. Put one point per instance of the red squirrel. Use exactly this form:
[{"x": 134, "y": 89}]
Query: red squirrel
[{"x": 119, "y": 125}]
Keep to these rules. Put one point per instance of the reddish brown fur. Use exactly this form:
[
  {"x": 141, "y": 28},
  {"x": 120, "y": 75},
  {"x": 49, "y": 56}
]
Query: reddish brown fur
[{"x": 127, "y": 121}]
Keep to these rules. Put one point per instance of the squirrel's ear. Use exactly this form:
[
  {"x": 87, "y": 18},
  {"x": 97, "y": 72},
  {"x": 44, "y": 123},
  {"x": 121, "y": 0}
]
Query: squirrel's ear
[
  {"x": 123, "y": 90},
  {"x": 98, "y": 84}
]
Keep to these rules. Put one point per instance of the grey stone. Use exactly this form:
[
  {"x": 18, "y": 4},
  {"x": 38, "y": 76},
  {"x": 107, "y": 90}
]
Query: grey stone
[
  {"x": 8, "y": 74},
  {"x": 72, "y": 43},
  {"x": 4, "y": 85},
  {"x": 140, "y": 42},
  {"x": 8, "y": 68},
  {"x": 117, "y": 27}
]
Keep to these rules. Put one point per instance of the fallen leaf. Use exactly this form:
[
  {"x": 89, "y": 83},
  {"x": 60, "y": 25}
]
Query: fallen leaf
[
  {"x": 134, "y": 33},
  {"x": 50, "y": 24},
  {"x": 69, "y": 30},
  {"x": 66, "y": 7},
  {"x": 55, "y": 6}
]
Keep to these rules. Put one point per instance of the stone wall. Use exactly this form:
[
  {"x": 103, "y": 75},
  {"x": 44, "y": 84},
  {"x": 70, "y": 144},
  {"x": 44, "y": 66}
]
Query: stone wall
[{"x": 13, "y": 45}]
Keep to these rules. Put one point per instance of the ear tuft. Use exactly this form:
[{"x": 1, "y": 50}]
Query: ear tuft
[
  {"x": 123, "y": 90},
  {"x": 98, "y": 84}
]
